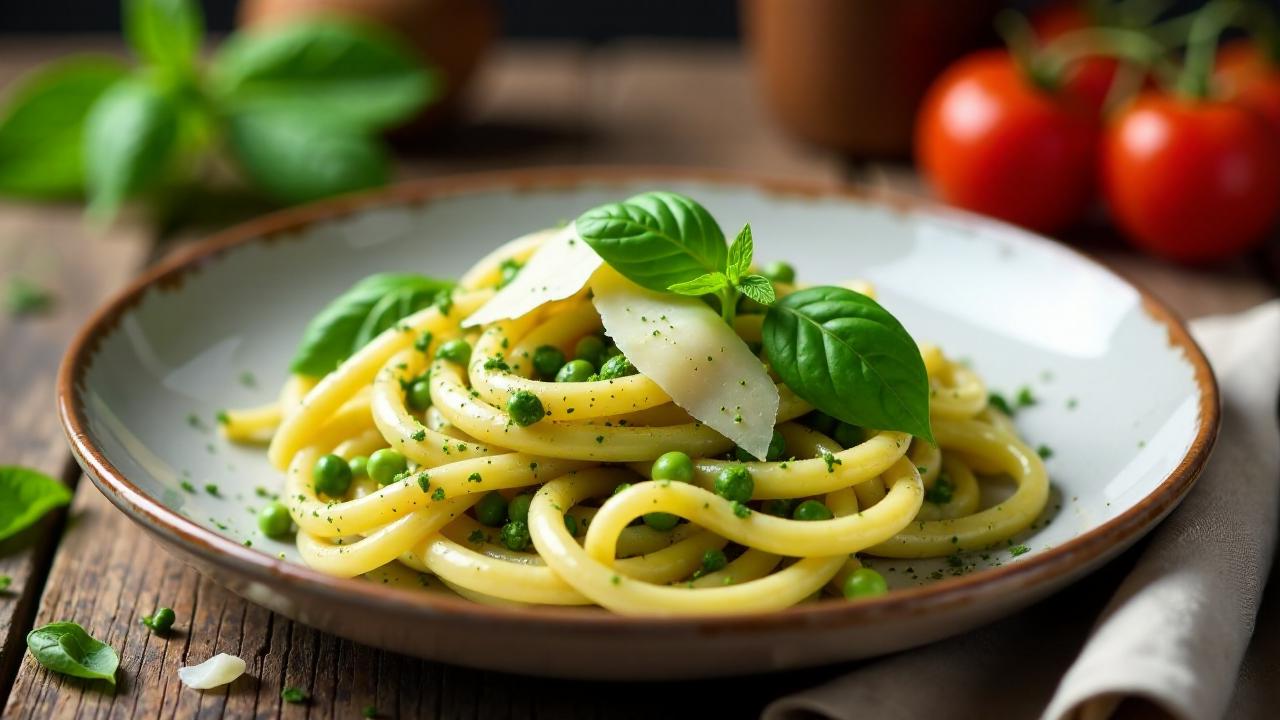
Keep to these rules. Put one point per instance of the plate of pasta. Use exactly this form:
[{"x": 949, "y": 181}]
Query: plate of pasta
[{"x": 668, "y": 423}]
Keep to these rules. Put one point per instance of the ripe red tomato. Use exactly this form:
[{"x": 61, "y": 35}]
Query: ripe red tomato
[
  {"x": 1192, "y": 181},
  {"x": 1090, "y": 78},
  {"x": 991, "y": 142},
  {"x": 1248, "y": 76}
]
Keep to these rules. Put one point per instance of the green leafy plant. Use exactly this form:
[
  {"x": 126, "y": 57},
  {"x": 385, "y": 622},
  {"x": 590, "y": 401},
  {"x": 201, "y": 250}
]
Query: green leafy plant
[
  {"x": 65, "y": 647},
  {"x": 297, "y": 107},
  {"x": 357, "y": 316},
  {"x": 25, "y": 496},
  {"x": 835, "y": 348}
]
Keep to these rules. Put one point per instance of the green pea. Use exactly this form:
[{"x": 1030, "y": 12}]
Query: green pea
[
  {"x": 621, "y": 487},
  {"x": 274, "y": 520},
  {"x": 673, "y": 465},
  {"x": 591, "y": 349},
  {"x": 571, "y": 524},
  {"x": 821, "y": 422},
  {"x": 456, "y": 350},
  {"x": 575, "y": 371},
  {"x": 385, "y": 464},
  {"x": 781, "y": 507},
  {"x": 811, "y": 510},
  {"x": 547, "y": 361},
  {"x": 864, "y": 583},
  {"x": 713, "y": 560},
  {"x": 419, "y": 395},
  {"x": 161, "y": 621},
  {"x": 661, "y": 521},
  {"x": 612, "y": 351},
  {"x": 509, "y": 268},
  {"x": 777, "y": 448},
  {"x": 515, "y": 535},
  {"x": 359, "y": 465},
  {"x": 735, "y": 483},
  {"x": 848, "y": 435},
  {"x": 518, "y": 509},
  {"x": 779, "y": 271},
  {"x": 492, "y": 509},
  {"x": 331, "y": 476},
  {"x": 525, "y": 408},
  {"x": 616, "y": 367}
]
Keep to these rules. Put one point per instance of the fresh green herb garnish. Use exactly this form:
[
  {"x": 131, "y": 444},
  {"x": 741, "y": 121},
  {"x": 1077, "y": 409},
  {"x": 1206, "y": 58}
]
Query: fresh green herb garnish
[
  {"x": 1017, "y": 550},
  {"x": 844, "y": 354},
  {"x": 941, "y": 492},
  {"x": 1044, "y": 451},
  {"x": 25, "y": 496},
  {"x": 5, "y": 582},
  {"x": 65, "y": 647},
  {"x": 294, "y": 695},
  {"x": 369, "y": 711},
  {"x": 998, "y": 401},
  {"x": 1025, "y": 398},
  {"x": 359, "y": 315},
  {"x": 24, "y": 297}
]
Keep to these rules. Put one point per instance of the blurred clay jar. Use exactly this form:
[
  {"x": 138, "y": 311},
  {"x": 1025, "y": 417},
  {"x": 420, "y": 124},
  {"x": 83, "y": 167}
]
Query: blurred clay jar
[
  {"x": 849, "y": 74},
  {"x": 451, "y": 35}
]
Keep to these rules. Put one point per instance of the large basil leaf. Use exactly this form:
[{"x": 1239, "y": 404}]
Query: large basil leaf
[
  {"x": 359, "y": 315},
  {"x": 165, "y": 33},
  {"x": 848, "y": 357},
  {"x": 41, "y": 129},
  {"x": 25, "y": 496},
  {"x": 65, "y": 647},
  {"x": 298, "y": 158},
  {"x": 655, "y": 239},
  {"x": 341, "y": 72},
  {"x": 129, "y": 141}
]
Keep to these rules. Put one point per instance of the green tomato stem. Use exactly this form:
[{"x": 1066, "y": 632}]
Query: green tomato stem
[{"x": 1202, "y": 44}]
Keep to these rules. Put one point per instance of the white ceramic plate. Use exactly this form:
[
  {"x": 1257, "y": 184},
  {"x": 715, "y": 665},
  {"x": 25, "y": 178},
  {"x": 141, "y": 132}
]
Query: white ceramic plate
[{"x": 1125, "y": 401}]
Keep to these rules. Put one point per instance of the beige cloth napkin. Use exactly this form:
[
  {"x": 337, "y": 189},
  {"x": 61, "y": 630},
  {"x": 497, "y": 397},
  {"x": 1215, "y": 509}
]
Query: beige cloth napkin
[{"x": 1172, "y": 637}]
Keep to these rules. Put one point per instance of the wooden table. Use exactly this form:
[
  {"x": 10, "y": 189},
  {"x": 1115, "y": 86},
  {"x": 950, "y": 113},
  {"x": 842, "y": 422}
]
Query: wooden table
[{"x": 629, "y": 102}]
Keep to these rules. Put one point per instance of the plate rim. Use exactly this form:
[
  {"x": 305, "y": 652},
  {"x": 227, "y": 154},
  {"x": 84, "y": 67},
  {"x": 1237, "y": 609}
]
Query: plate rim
[{"x": 1034, "y": 570}]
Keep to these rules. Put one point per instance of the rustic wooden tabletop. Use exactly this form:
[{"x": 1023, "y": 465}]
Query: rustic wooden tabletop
[{"x": 628, "y": 102}]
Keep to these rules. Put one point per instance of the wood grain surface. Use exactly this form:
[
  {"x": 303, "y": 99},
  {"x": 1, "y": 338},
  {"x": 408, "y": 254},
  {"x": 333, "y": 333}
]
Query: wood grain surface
[{"x": 629, "y": 102}]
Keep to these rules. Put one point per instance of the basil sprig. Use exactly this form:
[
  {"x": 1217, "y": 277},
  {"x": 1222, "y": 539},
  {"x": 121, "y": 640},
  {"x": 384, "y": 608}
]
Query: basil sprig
[
  {"x": 847, "y": 356},
  {"x": 25, "y": 497},
  {"x": 668, "y": 242},
  {"x": 65, "y": 647},
  {"x": 297, "y": 106},
  {"x": 360, "y": 314},
  {"x": 838, "y": 350}
]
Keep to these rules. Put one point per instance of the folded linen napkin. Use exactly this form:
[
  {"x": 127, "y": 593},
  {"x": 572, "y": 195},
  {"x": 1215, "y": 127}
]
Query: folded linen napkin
[{"x": 1172, "y": 636}]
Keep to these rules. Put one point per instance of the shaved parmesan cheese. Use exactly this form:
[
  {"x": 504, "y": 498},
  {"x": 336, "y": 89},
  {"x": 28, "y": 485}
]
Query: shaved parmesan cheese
[
  {"x": 217, "y": 671},
  {"x": 682, "y": 345},
  {"x": 559, "y": 269}
]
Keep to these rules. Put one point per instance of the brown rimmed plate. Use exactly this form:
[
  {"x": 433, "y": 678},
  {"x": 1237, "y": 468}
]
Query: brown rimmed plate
[{"x": 1126, "y": 401}]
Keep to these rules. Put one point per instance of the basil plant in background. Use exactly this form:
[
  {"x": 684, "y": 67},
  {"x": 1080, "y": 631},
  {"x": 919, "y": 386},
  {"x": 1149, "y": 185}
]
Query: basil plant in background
[{"x": 297, "y": 108}]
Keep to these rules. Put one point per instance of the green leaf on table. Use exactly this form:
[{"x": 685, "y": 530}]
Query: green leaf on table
[
  {"x": 655, "y": 239},
  {"x": 740, "y": 252},
  {"x": 357, "y": 316},
  {"x": 165, "y": 33},
  {"x": 701, "y": 285},
  {"x": 25, "y": 496},
  {"x": 129, "y": 142},
  {"x": 847, "y": 356},
  {"x": 345, "y": 73},
  {"x": 758, "y": 288},
  {"x": 42, "y": 126},
  {"x": 24, "y": 297},
  {"x": 65, "y": 647},
  {"x": 297, "y": 158}
]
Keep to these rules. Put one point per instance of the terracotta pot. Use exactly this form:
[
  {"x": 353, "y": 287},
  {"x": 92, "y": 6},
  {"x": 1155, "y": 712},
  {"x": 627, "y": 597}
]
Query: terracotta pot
[
  {"x": 848, "y": 74},
  {"x": 452, "y": 35}
]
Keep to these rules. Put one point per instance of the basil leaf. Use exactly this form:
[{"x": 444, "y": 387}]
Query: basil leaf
[
  {"x": 848, "y": 357},
  {"x": 740, "y": 252},
  {"x": 701, "y": 285},
  {"x": 65, "y": 647},
  {"x": 360, "y": 314},
  {"x": 347, "y": 74},
  {"x": 25, "y": 496},
  {"x": 758, "y": 288},
  {"x": 655, "y": 239},
  {"x": 42, "y": 127},
  {"x": 166, "y": 33},
  {"x": 297, "y": 158},
  {"x": 129, "y": 140}
]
